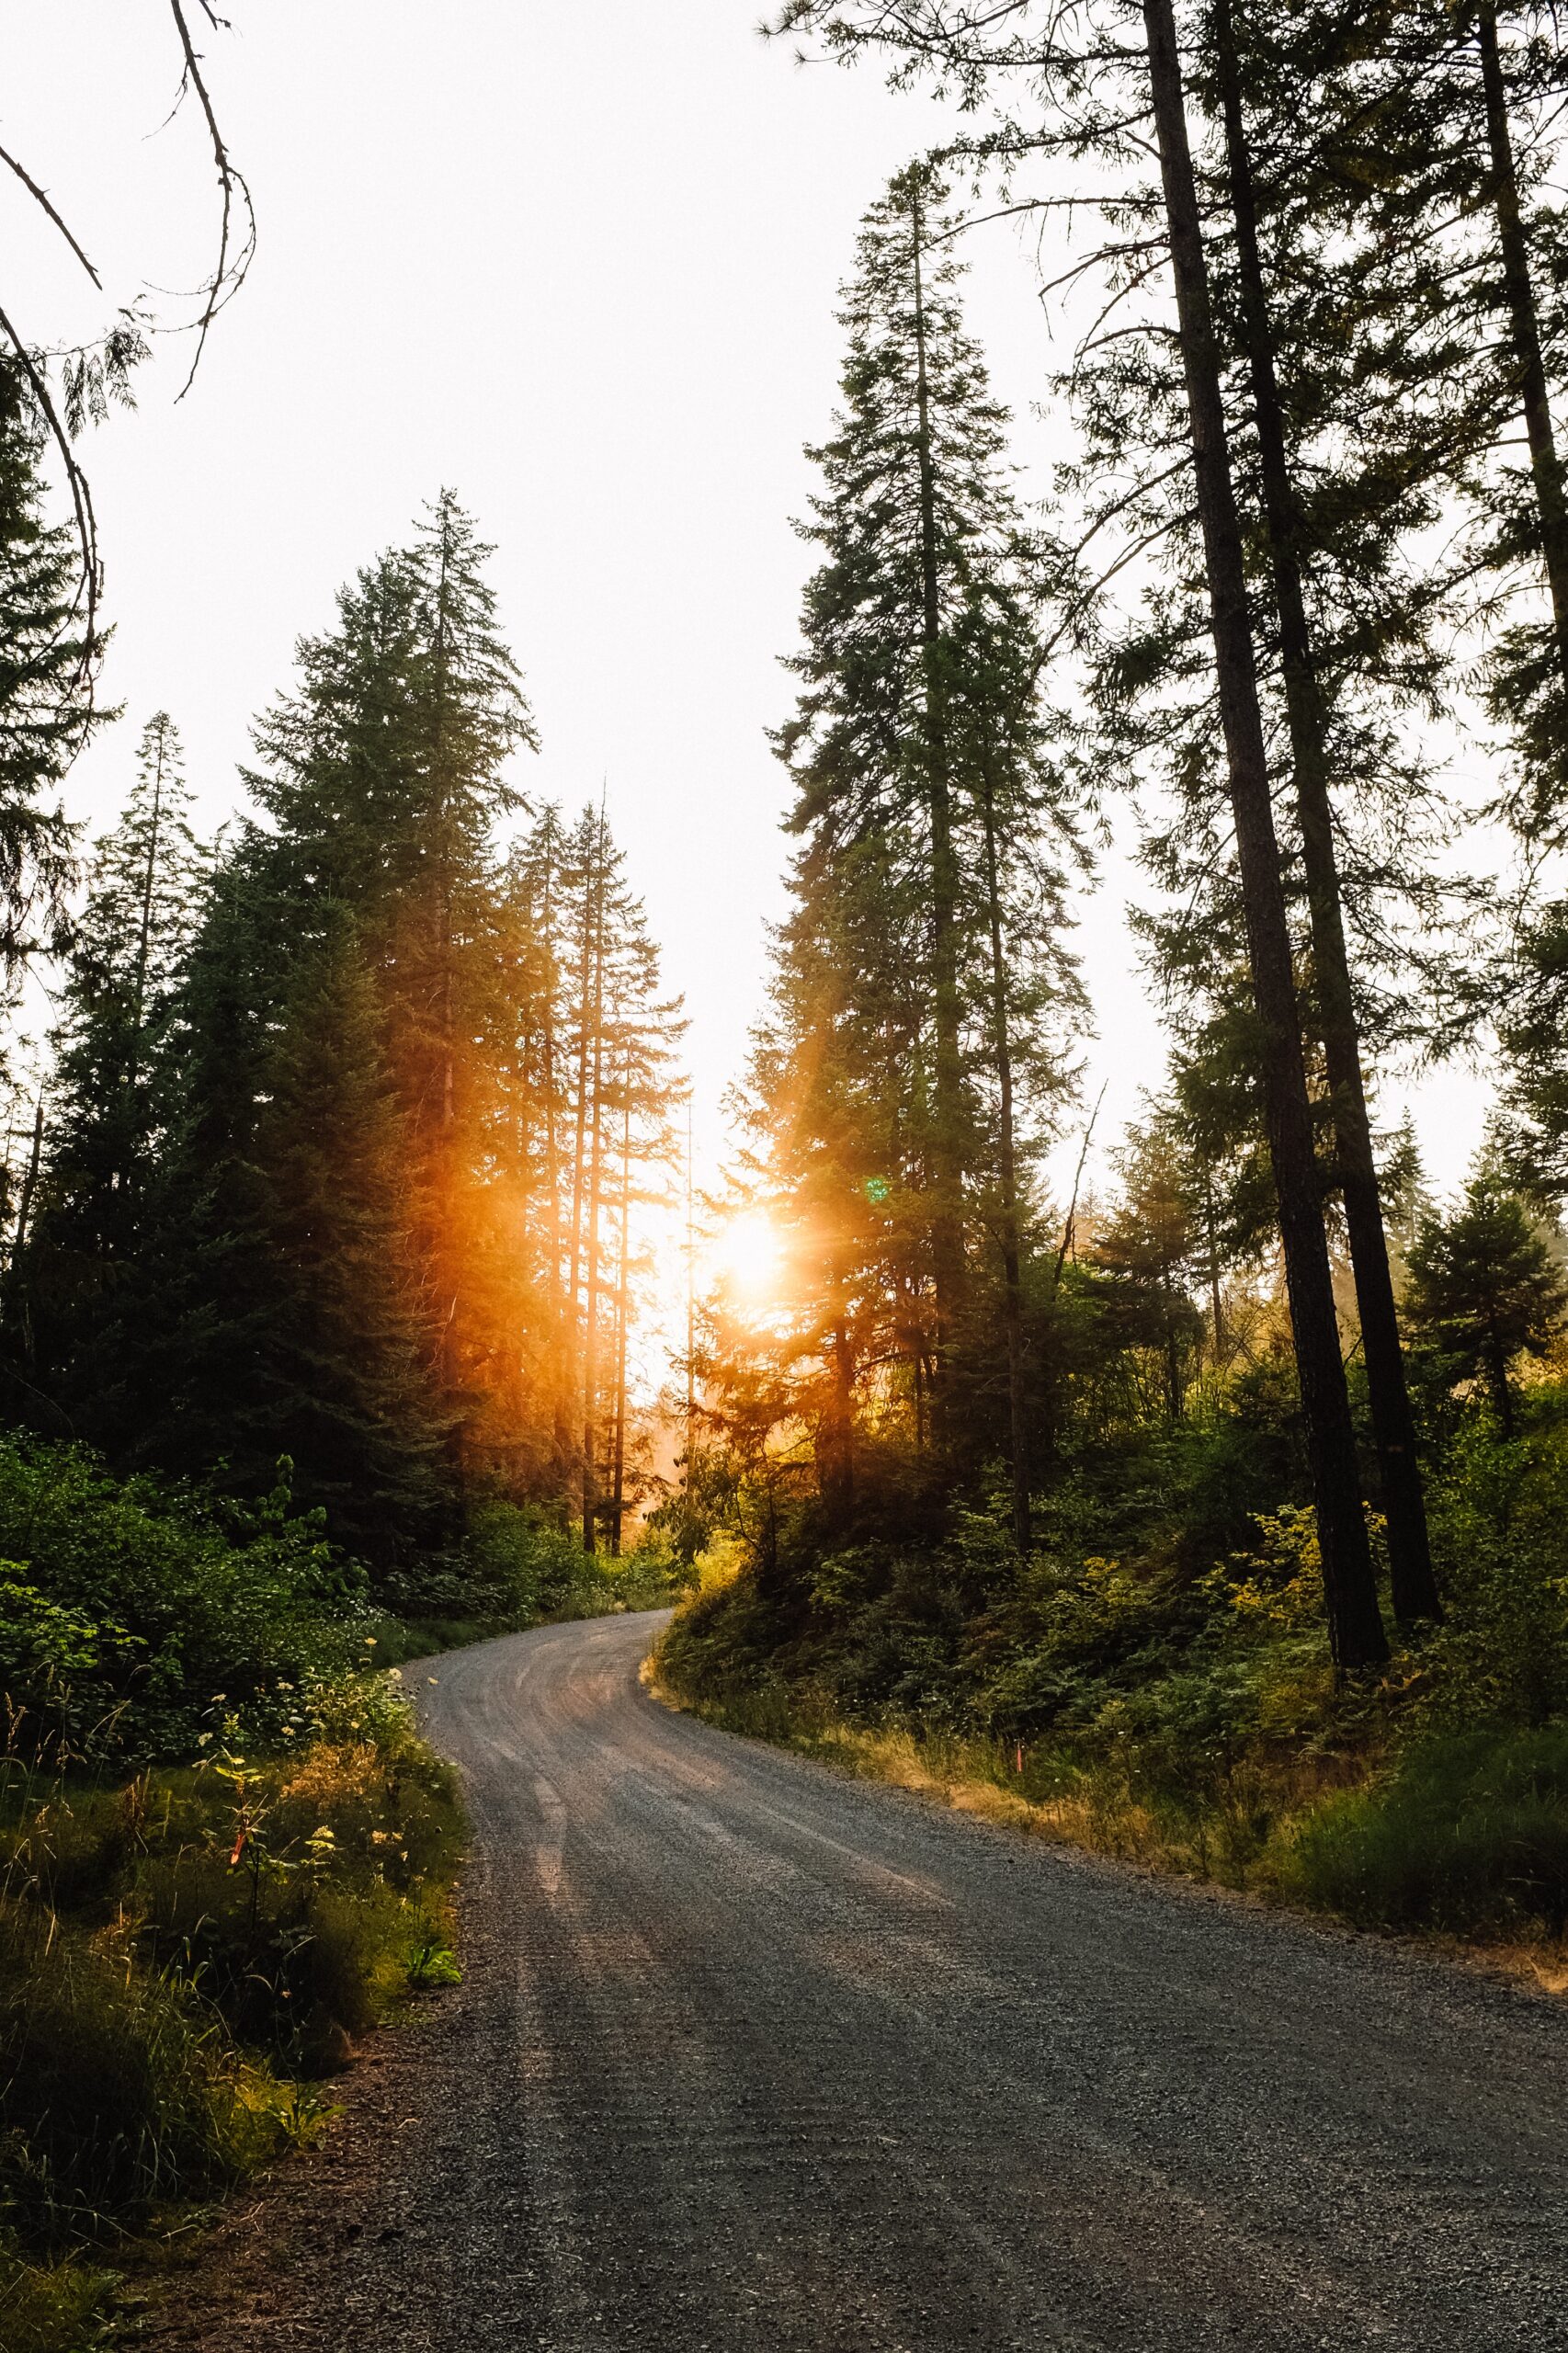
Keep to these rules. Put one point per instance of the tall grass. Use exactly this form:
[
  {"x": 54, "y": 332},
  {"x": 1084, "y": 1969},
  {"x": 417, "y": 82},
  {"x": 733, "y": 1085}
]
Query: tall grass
[
  {"x": 183, "y": 1953},
  {"x": 1467, "y": 1834}
]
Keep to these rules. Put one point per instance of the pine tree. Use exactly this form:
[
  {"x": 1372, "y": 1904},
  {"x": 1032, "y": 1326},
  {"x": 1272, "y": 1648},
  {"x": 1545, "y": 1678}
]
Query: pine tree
[
  {"x": 1485, "y": 1285},
  {"x": 385, "y": 775},
  {"x": 914, "y": 1050},
  {"x": 1105, "y": 107},
  {"x": 144, "y": 896},
  {"x": 342, "y": 1387},
  {"x": 46, "y": 705}
]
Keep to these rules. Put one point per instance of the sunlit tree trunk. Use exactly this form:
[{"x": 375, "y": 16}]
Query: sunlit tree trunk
[
  {"x": 622, "y": 1321},
  {"x": 595, "y": 1190}
]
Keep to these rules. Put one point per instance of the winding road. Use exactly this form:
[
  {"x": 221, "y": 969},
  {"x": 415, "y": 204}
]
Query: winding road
[{"x": 751, "y": 2057}]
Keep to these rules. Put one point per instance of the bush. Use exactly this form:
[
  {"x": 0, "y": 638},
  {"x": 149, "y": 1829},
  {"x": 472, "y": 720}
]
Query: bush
[
  {"x": 132, "y": 1611},
  {"x": 1469, "y": 1834},
  {"x": 517, "y": 1566}
]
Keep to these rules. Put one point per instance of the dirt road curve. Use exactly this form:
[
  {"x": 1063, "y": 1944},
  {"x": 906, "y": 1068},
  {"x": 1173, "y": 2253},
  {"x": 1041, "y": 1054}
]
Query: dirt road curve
[{"x": 749, "y": 2057}]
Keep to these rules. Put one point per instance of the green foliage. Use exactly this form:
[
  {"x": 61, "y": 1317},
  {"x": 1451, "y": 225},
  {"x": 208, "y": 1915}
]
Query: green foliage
[
  {"x": 46, "y": 678},
  {"x": 1468, "y": 1834},
  {"x": 1175, "y": 1693},
  {"x": 53, "y": 2307},
  {"x": 120, "y": 2090},
  {"x": 1486, "y": 1286},
  {"x": 182, "y": 1954},
  {"x": 143, "y": 1617},
  {"x": 518, "y": 1567}
]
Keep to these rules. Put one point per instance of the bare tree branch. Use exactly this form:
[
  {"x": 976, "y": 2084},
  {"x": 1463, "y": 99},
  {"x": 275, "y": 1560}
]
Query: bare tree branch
[
  {"x": 228, "y": 274},
  {"x": 41, "y": 196}
]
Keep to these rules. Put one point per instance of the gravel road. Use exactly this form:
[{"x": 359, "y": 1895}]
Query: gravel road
[{"x": 751, "y": 2057}]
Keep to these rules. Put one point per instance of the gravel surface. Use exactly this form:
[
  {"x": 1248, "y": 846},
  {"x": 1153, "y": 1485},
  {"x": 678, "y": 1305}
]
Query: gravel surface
[{"x": 751, "y": 2057}]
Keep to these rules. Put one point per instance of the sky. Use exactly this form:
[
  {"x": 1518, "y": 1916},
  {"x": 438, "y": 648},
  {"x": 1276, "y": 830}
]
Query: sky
[{"x": 577, "y": 261}]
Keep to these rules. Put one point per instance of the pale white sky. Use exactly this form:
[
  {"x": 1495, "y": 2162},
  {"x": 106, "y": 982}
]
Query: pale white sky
[{"x": 576, "y": 258}]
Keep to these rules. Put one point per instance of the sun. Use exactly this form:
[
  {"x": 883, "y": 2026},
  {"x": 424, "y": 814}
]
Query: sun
[{"x": 750, "y": 1254}]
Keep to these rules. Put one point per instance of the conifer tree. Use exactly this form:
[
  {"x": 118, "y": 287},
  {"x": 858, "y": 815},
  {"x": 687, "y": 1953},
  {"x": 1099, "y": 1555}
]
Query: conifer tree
[
  {"x": 144, "y": 896},
  {"x": 1104, "y": 109},
  {"x": 46, "y": 707},
  {"x": 342, "y": 1387},
  {"x": 920, "y": 973},
  {"x": 1485, "y": 1285}
]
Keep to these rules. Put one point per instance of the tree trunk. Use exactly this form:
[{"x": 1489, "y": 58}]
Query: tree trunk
[
  {"x": 836, "y": 1462},
  {"x": 690, "y": 1309},
  {"x": 1216, "y": 1306},
  {"x": 947, "y": 1264},
  {"x": 1413, "y": 1583},
  {"x": 1500, "y": 1385},
  {"x": 622, "y": 1308},
  {"x": 149, "y": 881},
  {"x": 1356, "y": 1631},
  {"x": 591, "y": 1268},
  {"x": 1012, "y": 1252},
  {"x": 1546, "y": 467},
  {"x": 559, "y": 1352}
]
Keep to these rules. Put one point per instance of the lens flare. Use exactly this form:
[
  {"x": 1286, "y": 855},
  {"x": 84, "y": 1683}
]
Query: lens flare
[{"x": 750, "y": 1256}]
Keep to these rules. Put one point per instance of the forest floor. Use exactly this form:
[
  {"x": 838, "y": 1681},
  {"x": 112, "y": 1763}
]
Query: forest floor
[{"x": 750, "y": 2055}]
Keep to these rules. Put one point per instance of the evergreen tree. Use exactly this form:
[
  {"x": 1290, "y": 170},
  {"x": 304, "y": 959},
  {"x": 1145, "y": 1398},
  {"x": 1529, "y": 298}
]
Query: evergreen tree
[
  {"x": 342, "y": 1386},
  {"x": 909, "y": 1066},
  {"x": 1486, "y": 1286},
  {"x": 1147, "y": 1252},
  {"x": 46, "y": 707},
  {"x": 1097, "y": 103},
  {"x": 144, "y": 895}
]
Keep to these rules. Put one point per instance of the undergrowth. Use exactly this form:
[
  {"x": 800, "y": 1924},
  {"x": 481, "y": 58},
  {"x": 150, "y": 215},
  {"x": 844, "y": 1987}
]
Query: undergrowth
[
  {"x": 225, "y": 1853},
  {"x": 1163, "y": 1699}
]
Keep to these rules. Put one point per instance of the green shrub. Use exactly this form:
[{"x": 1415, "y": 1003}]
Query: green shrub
[
  {"x": 1468, "y": 1834},
  {"x": 135, "y": 1614}
]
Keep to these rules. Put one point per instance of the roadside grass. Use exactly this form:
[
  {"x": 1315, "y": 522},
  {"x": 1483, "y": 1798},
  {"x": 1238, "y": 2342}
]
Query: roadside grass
[
  {"x": 225, "y": 1852},
  {"x": 187, "y": 1954},
  {"x": 1460, "y": 1838}
]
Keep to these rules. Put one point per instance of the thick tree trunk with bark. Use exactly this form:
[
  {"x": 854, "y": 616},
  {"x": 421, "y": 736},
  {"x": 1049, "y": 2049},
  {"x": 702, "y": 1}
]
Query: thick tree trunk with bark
[
  {"x": 1355, "y": 1629},
  {"x": 1413, "y": 1585}
]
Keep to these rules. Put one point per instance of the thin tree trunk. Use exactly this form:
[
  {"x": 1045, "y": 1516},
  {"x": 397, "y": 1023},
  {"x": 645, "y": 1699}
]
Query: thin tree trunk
[
  {"x": 690, "y": 1309},
  {"x": 1356, "y": 1630},
  {"x": 1012, "y": 1254},
  {"x": 145, "y": 929},
  {"x": 554, "y": 1239},
  {"x": 1546, "y": 467},
  {"x": 836, "y": 1440},
  {"x": 29, "y": 1185},
  {"x": 1413, "y": 1585},
  {"x": 1499, "y": 1383},
  {"x": 948, "y": 1267},
  {"x": 591, "y": 1276},
  {"x": 622, "y": 1306},
  {"x": 1216, "y": 1309},
  {"x": 585, "y": 978}
]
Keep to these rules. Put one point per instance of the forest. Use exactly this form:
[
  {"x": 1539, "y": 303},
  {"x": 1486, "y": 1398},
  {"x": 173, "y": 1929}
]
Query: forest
[
  {"x": 1208, "y": 1513},
  {"x": 1212, "y": 1516}
]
